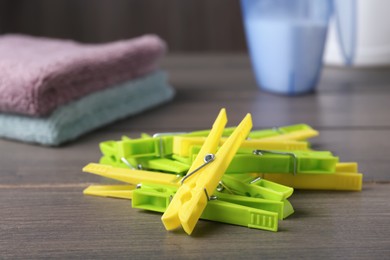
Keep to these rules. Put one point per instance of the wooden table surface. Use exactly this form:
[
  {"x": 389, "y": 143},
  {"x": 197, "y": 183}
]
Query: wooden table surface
[{"x": 43, "y": 212}]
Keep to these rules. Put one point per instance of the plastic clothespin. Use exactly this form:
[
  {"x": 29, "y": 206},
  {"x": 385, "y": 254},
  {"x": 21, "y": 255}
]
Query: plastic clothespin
[
  {"x": 111, "y": 152},
  {"x": 143, "y": 153},
  {"x": 345, "y": 178},
  {"x": 158, "y": 197},
  {"x": 300, "y": 131},
  {"x": 293, "y": 132},
  {"x": 191, "y": 198},
  {"x": 183, "y": 145},
  {"x": 297, "y": 132},
  {"x": 157, "y": 146},
  {"x": 125, "y": 191},
  {"x": 131, "y": 176},
  {"x": 158, "y": 164},
  {"x": 254, "y": 187},
  {"x": 165, "y": 165},
  {"x": 110, "y": 147},
  {"x": 295, "y": 162},
  {"x": 283, "y": 208},
  {"x": 347, "y": 167},
  {"x": 112, "y": 191}
]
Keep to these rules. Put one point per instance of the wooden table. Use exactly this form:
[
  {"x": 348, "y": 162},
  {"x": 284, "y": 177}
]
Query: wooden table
[{"x": 43, "y": 212}]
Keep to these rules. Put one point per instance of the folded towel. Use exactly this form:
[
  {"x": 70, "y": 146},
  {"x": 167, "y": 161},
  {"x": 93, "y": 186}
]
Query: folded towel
[
  {"x": 90, "y": 112},
  {"x": 39, "y": 74}
]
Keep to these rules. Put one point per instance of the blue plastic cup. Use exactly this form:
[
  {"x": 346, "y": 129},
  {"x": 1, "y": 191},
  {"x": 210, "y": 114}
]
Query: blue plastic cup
[{"x": 286, "y": 40}]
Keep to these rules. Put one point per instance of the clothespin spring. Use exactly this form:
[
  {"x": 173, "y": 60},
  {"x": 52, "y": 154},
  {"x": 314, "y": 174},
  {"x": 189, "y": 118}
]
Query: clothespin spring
[
  {"x": 207, "y": 159},
  {"x": 139, "y": 166},
  {"x": 255, "y": 180}
]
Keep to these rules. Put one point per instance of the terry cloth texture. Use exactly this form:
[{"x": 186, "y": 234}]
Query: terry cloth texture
[
  {"x": 90, "y": 112},
  {"x": 39, "y": 74}
]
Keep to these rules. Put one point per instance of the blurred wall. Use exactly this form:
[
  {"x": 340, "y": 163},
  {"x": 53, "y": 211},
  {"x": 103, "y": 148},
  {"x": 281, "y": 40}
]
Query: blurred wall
[{"x": 187, "y": 25}]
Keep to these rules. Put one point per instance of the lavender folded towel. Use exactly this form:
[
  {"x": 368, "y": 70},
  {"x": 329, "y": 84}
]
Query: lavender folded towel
[
  {"x": 90, "y": 112},
  {"x": 39, "y": 74}
]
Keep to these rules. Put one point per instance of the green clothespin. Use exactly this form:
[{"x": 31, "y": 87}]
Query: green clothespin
[
  {"x": 157, "y": 146},
  {"x": 141, "y": 153},
  {"x": 164, "y": 165},
  {"x": 141, "y": 148},
  {"x": 109, "y": 148},
  {"x": 157, "y": 198},
  {"x": 265, "y": 161},
  {"x": 283, "y": 208},
  {"x": 160, "y": 144},
  {"x": 257, "y": 188},
  {"x": 295, "y": 162},
  {"x": 151, "y": 153},
  {"x": 112, "y": 160},
  {"x": 111, "y": 152}
]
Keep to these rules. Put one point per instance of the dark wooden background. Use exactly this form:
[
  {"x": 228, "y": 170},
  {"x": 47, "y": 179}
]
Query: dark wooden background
[{"x": 187, "y": 25}]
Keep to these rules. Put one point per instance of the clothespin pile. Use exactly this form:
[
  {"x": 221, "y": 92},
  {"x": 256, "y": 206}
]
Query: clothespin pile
[{"x": 230, "y": 175}]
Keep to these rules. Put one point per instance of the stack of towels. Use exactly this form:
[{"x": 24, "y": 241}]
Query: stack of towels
[{"x": 52, "y": 91}]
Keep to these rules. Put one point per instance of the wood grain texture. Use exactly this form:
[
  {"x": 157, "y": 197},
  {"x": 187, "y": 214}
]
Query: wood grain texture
[
  {"x": 43, "y": 213},
  {"x": 59, "y": 222}
]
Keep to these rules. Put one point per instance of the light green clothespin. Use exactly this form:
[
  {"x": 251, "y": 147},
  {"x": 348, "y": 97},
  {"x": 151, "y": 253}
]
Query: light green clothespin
[
  {"x": 109, "y": 149},
  {"x": 111, "y": 152},
  {"x": 140, "y": 154},
  {"x": 283, "y": 208},
  {"x": 157, "y": 146},
  {"x": 265, "y": 161},
  {"x": 149, "y": 153},
  {"x": 158, "y": 197},
  {"x": 295, "y": 162}
]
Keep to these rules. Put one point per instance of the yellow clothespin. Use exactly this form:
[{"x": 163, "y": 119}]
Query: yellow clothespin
[
  {"x": 298, "y": 135},
  {"x": 131, "y": 176},
  {"x": 120, "y": 191},
  {"x": 182, "y": 145},
  {"x": 204, "y": 175}
]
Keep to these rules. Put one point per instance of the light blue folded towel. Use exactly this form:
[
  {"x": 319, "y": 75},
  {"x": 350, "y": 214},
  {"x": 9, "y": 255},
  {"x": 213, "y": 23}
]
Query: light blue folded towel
[{"x": 90, "y": 112}]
